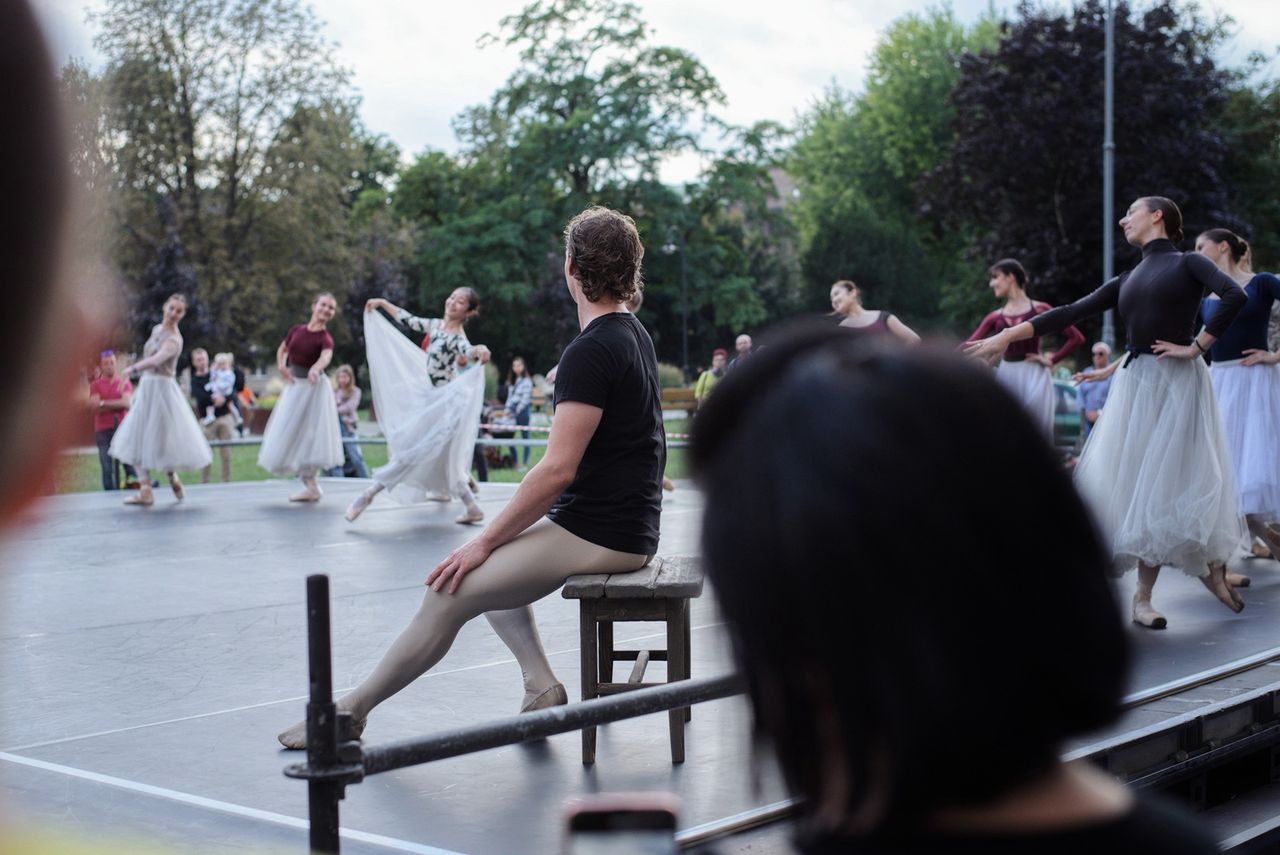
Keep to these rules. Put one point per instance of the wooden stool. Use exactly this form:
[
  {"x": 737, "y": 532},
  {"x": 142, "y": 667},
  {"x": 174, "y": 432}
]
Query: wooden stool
[{"x": 660, "y": 591}]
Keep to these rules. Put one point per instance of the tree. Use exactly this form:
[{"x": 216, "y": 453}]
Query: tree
[
  {"x": 223, "y": 126},
  {"x": 1024, "y": 170},
  {"x": 587, "y": 117},
  {"x": 858, "y": 162}
]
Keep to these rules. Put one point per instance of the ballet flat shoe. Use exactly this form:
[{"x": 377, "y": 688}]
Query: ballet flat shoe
[
  {"x": 1144, "y": 615},
  {"x": 1238, "y": 580},
  {"x": 307, "y": 495},
  {"x": 178, "y": 492},
  {"x": 553, "y": 696},
  {"x": 146, "y": 500},
  {"x": 470, "y": 518},
  {"x": 295, "y": 738}
]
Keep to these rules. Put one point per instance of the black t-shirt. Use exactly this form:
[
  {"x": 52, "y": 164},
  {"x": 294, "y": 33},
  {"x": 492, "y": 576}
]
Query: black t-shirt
[
  {"x": 203, "y": 397},
  {"x": 1153, "y": 827},
  {"x": 616, "y": 497}
]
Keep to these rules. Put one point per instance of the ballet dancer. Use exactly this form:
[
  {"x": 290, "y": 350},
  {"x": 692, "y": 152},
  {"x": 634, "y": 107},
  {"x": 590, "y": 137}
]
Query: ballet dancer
[
  {"x": 590, "y": 505},
  {"x": 428, "y": 404},
  {"x": 161, "y": 432},
  {"x": 302, "y": 436},
  {"x": 1156, "y": 470},
  {"x": 1024, "y": 370},
  {"x": 846, "y": 301},
  {"x": 1246, "y": 380}
]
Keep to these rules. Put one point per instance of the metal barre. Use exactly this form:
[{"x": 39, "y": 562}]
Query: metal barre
[{"x": 333, "y": 763}]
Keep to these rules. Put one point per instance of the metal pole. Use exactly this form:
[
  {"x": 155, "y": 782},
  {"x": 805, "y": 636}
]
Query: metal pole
[
  {"x": 1108, "y": 172},
  {"x": 322, "y": 725},
  {"x": 684, "y": 311}
]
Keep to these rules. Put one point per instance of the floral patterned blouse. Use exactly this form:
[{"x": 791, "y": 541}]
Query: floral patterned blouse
[{"x": 443, "y": 350}]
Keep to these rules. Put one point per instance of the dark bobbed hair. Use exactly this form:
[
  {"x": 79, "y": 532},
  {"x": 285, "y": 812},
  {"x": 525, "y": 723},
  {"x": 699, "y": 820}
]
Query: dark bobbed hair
[
  {"x": 1238, "y": 245},
  {"x": 604, "y": 248},
  {"x": 1010, "y": 266},
  {"x": 1171, "y": 215},
  {"x": 878, "y": 666}
]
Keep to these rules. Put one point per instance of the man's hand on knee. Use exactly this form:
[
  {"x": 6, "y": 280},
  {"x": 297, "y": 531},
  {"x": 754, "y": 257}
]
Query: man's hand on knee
[{"x": 460, "y": 562}]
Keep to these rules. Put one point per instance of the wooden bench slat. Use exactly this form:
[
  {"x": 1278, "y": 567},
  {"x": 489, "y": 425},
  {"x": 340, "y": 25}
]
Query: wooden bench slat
[
  {"x": 681, "y": 576},
  {"x": 586, "y": 587},
  {"x": 639, "y": 584}
]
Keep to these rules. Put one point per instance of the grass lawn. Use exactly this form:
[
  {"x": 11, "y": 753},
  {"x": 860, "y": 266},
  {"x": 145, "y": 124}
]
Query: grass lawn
[{"x": 80, "y": 473}]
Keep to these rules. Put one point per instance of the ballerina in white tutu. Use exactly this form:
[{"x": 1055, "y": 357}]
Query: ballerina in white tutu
[
  {"x": 161, "y": 432},
  {"x": 302, "y": 436},
  {"x": 428, "y": 404},
  {"x": 1023, "y": 369},
  {"x": 1246, "y": 378},
  {"x": 1156, "y": 470}
]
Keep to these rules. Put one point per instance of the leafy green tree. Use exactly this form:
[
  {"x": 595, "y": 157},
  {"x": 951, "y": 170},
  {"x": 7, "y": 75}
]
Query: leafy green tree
[
  {"x": 225, "y": 128},
  {"x": 858, "y": 161},
  {"x": 1024, "y": 172}
]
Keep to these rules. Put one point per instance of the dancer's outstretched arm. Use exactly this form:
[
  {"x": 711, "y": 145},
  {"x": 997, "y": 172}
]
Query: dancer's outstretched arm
[{"x": 574, "y": 425}]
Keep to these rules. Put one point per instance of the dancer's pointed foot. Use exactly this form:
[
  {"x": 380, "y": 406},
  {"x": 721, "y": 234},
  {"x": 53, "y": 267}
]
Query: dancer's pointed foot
[
  {"x": 145, "y": 498},
  {"x": 1216, "y": 582},
  {"x": 295, "y": 738},
  {"x": 1258, "y": 549},
  {"x": 361, "y": 502},
  {"x": 1238, "y": 580},
  {"x": 1144, "y": 615},
  {"x": 176, "y": 483},
  {"x": 471, "y": 517},
  {"x": 1271, "y": 537},
  {"x": 552, "y": 696}
]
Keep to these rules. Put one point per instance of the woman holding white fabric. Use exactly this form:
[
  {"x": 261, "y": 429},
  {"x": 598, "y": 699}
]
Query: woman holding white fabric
[
  {"x": 428, "y": 405},
  {"x": 302, "y": 435},
  {"x": 161, "y": 432}
]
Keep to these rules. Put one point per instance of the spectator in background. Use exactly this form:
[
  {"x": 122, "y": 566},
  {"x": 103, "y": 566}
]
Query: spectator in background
[
  {"x": 859, "y": 737},
  {"x": 742, "y": 344},
  {"x": 109, "y": 398},
  {"x": 346, "y": 395},
  {"x": 210, "y": 402},
  {"x": 1093, "y": 393},
  {"x": 520, "y": 406},
  {"x": 708, "y": 379}
]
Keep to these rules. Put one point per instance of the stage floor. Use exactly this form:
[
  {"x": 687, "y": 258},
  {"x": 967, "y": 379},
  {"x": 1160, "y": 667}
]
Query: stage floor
[{"x": 151, "y": 655}]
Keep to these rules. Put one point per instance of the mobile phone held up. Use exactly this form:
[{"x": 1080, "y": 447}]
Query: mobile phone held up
[{"x": 622, "y": 824}]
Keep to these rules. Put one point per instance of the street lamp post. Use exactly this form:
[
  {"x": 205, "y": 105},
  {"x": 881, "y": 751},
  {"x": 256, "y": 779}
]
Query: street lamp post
[{"x": 1108, "y": 169}]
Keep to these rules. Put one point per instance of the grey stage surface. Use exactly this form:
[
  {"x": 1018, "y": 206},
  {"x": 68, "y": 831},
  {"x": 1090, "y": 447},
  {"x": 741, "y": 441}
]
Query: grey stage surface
[{"x": 150, "y": 655}]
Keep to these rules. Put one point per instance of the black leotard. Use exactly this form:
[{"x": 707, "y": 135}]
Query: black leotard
[{"x": 1159, "y": 299}]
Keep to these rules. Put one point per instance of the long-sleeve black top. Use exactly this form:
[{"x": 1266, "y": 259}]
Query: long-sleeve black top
[{"x": 1159, "y": 300}]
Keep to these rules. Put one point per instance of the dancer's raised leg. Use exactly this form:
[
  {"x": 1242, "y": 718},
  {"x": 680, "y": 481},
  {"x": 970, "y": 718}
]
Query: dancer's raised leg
[
  {"x": 362, "y": 501},
  {"x": 516, "y": 574}
]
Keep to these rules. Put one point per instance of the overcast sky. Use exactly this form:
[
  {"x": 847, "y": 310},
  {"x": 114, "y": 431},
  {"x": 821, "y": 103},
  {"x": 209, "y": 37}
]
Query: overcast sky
[{"x": 416, "y": 64}]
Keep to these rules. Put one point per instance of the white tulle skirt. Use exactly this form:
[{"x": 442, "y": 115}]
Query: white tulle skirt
[
  {"x": 1032, "y": 384},
  {"x": 302, "y": 435},
  {"x": 161, "y": 432},
  {"x": 430, "y": 430},
  {"x": 1249, "y": 399},
  {"x": 1156, "y": 471}
]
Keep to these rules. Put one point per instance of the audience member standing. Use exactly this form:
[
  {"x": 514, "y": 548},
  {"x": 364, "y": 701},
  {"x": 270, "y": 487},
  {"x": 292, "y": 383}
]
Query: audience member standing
[
  {"x": 709, "y": 378},
  {"x": 109, "y": 398},
  {"x": 1092, "y": 394},
  {"x": 520, "y": 407},
  {"x": 346, "y": 396},
  {"x": 222, "y": 427},
  {"x": 742, "y": 344}
]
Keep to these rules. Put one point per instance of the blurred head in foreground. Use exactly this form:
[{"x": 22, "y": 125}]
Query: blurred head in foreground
[
  {"x": 43, "y": 328},
  {"x": 916, "y": 593}
]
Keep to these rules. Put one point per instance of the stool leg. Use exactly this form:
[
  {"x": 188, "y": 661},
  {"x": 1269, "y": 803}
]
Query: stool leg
[
  {"x": 676, "y": 666},
  {"x": 587, "y": 644},
  {"x": 685, "y": 619},
  {"x": 604, "y": 632}
]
